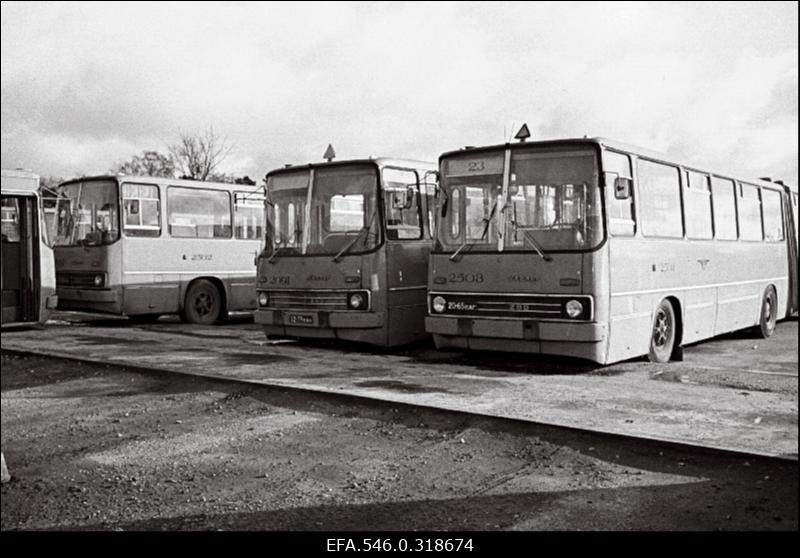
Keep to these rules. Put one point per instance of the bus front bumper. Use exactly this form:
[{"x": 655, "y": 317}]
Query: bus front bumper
[
  {"x": 317, "y": 319},
  {"x": 89, "y": 300},
  {"x": 579, "y": 339}
]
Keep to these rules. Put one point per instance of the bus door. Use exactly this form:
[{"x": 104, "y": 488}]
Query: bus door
[
  {"x": 19, "y": 279},
  {"x": 407, "y": 250},
  {"x": 791, "y": 237}
]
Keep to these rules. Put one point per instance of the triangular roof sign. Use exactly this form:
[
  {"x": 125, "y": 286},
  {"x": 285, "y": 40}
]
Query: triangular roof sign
[
  {"x": 523, "y": 133},
  {"x": 329, "y": 153}
]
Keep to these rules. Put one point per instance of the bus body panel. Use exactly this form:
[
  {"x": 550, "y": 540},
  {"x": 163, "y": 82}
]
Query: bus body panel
[
  {"x": 75, "y": 268},
  {"x": 715, "y": 293},
  {"x": 407, "y": 276},
  {"x": 158, "y": 271}
]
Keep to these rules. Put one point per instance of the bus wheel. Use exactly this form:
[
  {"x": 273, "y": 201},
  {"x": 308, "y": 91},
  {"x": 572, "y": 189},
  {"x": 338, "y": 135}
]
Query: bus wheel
[
  {"x": 769, "y": 314},
  {"x": 662, "y": 338},
  {"x": 144, "y": 318},
  {"x": 203, "y": 303}
]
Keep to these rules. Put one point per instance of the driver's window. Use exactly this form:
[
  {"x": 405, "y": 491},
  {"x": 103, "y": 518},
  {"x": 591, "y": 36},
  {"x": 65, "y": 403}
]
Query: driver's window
[
  {"x": 402, "y": 204},
  {"x": 621, "y": 216},
  {"x": 141, "y": 210}
]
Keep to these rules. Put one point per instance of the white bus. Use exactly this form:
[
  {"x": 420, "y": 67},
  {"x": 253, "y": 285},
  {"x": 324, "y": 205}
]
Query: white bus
[
  {"x": 28, "y": 269},
  {"x": 143, "y": 246},
  {"x": 594, "y": 249}
]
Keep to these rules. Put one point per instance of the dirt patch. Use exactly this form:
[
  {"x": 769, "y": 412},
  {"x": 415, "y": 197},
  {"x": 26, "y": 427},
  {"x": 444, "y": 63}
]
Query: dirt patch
[{"x": 99, "y": 447}]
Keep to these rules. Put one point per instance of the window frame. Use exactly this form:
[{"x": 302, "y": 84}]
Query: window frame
[
  {"x": 740, "y": 196},
  {"x": 643, "y": 198},
  {"x": 707, "y": 191},
  {"x": 140, "y": 227},
  {"x": 732, "y": 184}
]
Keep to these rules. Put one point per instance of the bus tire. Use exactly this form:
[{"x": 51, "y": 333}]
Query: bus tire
[
  {"x": 769, "y": 314},
  {"x": 662, "y": 335},
  {"x": 144, "y": 318},
  {"x": 203, "y": 303}
]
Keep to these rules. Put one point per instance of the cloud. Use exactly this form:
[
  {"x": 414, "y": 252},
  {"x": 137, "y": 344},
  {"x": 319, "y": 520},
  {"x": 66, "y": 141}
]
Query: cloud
[{"x": 85, "y": 85}]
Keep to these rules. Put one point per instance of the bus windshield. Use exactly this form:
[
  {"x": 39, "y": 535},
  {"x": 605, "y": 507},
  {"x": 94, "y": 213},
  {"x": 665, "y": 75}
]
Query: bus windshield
[
  {"x": 343, "y": 215},
  {"x": 552, "y": 202},
  {"x": 86, "y": 213}
]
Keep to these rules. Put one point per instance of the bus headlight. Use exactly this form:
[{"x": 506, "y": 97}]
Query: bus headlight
[
  {"x": 98, "y": 280},
  {"x": 263, "y": 299},
  {"x": 574, "y": 308},
  {"x": 438, "y": 304},
  {"x": 356, "y": 301}
]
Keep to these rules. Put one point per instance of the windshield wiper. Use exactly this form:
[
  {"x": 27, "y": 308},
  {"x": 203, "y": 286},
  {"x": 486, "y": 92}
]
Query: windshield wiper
[
  {"x": 352, "y": 243},
  {"x": 274, "y": 255},
  {"x": 486, "y": 222}
]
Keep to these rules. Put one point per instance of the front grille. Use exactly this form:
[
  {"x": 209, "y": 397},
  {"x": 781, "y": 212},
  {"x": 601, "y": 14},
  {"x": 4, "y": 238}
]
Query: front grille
[
  {"x": 488, "y": 305},
  {"x": 308, "y": 300},
  {"x": 76, "y": 280}
]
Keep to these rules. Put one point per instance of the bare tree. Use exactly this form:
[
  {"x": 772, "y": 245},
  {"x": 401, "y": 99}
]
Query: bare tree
[
  {"x": 197, "y": 156},
  {"x": 149, "y": 163}
]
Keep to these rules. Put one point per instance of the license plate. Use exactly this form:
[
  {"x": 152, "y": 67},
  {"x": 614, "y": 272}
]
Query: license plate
[{"x": 301, "y": 319}]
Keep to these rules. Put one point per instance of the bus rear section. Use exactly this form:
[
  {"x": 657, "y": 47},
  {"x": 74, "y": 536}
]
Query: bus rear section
[
  {"x": 146, "y": 246},
  {"x": 28, "y": 275},
  {"x": 517, "y": 262},
  {"x": 347, "y": 251}
]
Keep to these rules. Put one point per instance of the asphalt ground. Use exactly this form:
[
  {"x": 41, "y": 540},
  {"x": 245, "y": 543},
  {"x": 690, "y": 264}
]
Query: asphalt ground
[{"x": 732, "y": 393}]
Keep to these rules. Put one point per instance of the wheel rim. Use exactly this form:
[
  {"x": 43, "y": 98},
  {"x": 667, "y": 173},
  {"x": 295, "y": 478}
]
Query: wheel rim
[
  {"x": 769, "y": 312},
  {"x": 203, "y": 303},
  {"x": 662, "y": 329}
]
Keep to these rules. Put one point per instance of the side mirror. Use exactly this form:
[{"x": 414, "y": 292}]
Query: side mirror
[
  {"x": 403, "y": 199},
  {"x": 622, "y": 187}
]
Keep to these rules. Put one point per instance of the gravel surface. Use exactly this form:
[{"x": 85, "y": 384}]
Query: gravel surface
[{"x": 107, "y": 448}]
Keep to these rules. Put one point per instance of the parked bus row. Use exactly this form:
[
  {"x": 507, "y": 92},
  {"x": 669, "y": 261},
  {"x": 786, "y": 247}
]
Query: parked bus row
[{"x": 578, "y": 247}]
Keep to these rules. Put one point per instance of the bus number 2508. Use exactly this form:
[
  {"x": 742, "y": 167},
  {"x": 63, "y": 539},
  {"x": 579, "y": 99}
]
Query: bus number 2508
[{"x": 465, "y": 278}]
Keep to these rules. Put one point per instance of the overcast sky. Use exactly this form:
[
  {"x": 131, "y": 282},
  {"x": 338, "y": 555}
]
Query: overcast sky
[{"x": 85, "y": 86}]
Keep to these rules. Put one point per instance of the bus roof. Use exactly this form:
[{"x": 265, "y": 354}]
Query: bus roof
[
  {"x": 378, "y": 161},
  {"x": 162, "y": 181},
  {"x": 628, "y": 148},
  {"x": 19, "y": 182}
]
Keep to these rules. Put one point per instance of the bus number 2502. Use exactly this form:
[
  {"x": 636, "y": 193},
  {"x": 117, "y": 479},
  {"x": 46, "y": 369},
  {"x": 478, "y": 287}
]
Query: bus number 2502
[{"x": 465, "y": 278}]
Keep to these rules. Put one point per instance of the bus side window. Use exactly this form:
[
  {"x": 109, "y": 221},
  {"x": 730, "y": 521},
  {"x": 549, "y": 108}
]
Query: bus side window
[
  {"x": 660, "y": 199},
  {"x": 697, "y": 206},
  {"x": 621, "y": 217},
  {"x": 722, "y": 200},
  {"x": 750, "y": 224},
  {"x": 773, "y": 215}
]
